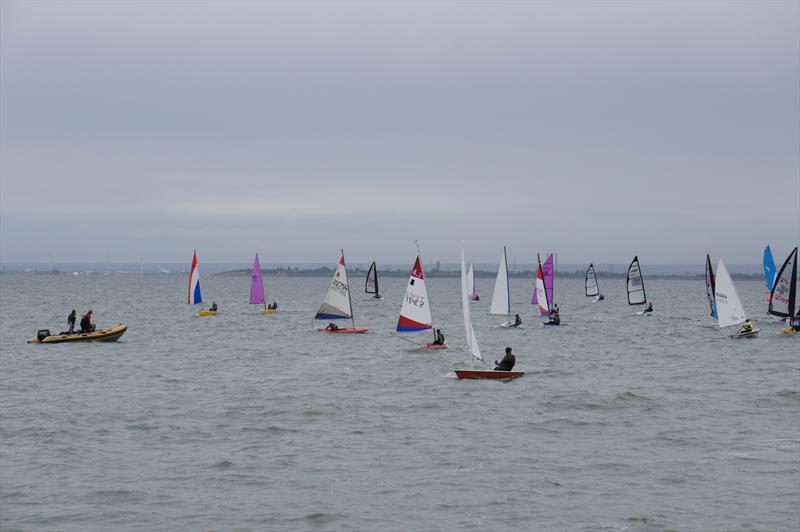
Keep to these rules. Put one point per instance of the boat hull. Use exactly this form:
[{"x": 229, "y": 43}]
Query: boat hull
[
  {"x": 269, "y": 310},
  {"x": 488, "y": 374},
  {"x": 207, "y": 313},
  {"x": 431, "y": 345},
  {"x": 346, "y": 330},
  {"x": 750, "y": 334},
  {"x": 109, "y": 334}
]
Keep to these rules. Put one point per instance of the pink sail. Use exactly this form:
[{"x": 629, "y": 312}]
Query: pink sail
[{"x": 256, "y": 285}]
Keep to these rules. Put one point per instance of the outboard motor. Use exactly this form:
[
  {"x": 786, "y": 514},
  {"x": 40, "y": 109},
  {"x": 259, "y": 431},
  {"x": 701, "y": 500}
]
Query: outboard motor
[{"x": 42, "y": 334}]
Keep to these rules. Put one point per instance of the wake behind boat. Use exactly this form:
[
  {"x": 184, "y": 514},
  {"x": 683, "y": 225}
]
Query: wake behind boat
[{"x": 109, "y": 334}]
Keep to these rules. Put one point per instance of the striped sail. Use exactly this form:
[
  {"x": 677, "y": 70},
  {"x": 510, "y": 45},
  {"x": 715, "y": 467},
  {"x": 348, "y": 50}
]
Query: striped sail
[
  {"x": 336, "y": 305},
  {"x": 710, "y": 287},
  {"x": 590, "y": 283},
  {"x": 783, "y": 301},
  {"x": 729, "y": 306},
  {"x": 769, "y": 271},
  {"x": 195, "y": 297},
  {"x": 501, "y": 297},
  {"x": 415, "y": 314},
  {"x": 636, "y": 293},
  {"x": 472, "y": 340},
  {"x": 256, "y": 284}
]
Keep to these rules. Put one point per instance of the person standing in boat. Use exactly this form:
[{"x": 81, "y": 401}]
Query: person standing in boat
[
  {"x": 71, "y": 322},
  {"x": 438, "y": 337},
  {"x": 86, "y": 323},
  {"x": 507, "y": 364}
]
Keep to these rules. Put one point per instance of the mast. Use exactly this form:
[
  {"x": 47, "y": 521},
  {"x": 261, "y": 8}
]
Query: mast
[
  {"x": 508, "y": 288},
  {"x": 349, "y": 297}
]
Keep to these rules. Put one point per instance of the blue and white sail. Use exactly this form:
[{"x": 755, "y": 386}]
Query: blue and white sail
[{"x": 336, "y": 305}]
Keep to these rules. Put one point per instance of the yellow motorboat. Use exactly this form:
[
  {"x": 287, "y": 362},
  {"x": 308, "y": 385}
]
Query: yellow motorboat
[{"x": 109, "y": 334}]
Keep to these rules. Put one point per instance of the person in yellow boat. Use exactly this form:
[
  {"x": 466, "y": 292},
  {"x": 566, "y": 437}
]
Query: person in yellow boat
[
  {"x": 747, "y": 327},
  {"x": 213, "y": 307},
  {"x": 86, "y": 323},
  {"x": 507, "y": 364},
  {"x": 273, "y": 306},
  {"x": 71, "y": 322}
]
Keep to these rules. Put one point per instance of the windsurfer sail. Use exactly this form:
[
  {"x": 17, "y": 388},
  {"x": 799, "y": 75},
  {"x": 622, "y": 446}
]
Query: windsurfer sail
[{"x": 371, "y": 284}]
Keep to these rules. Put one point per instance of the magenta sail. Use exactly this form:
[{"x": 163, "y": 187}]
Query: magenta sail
[{"x": 256, "y": 285}]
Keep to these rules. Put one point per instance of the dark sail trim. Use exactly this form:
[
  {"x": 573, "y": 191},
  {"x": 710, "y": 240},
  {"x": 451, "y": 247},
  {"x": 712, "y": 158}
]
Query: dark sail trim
[
  {"x": 792, "y": 287},
  {"x": 373, "y": 271}
]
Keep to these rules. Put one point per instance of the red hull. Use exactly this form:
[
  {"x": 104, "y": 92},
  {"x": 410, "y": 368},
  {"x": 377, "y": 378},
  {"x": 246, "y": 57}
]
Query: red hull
[
  {"x": 487, "y": 374},
  {"x": 352, "y": 330},
  {"x": 431, "y": 345}
]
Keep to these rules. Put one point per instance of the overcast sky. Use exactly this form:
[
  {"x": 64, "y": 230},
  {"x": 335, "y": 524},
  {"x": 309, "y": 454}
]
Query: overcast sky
[{"x": 142, "y": 130}]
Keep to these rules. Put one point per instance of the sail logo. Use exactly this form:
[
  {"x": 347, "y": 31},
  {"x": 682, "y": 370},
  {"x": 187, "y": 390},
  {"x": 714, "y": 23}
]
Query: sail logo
[
  {"x": 339, "y": 287},
  {"x": 416, "y": 300}
]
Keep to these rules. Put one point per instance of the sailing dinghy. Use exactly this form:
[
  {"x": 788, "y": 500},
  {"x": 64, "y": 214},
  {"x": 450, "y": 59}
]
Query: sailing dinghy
[
  {"x": 415, "y": 314},
  {"x": 783, "y": 299},
  {"x": 635, "y": 286},
  {"x": 371, "y": 284},
  {"x": 501, "y": 297},
  {"x": 729, "y": 307},
  {"x": 195, "y": 295},
  {"x": 257, "y": 288},
  {"x": 591, "y": 288},
  {"x": 472, "y": 340},
  {"x": 337, "y": 304}
]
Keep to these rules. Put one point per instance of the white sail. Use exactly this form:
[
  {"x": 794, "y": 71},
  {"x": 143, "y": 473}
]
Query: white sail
[
  {"x": 541, "y": 292},
  {"x": 415, "y": 314},
  {"x": 473, "y": 292},
  {"x": 472, "y": 341},
  {"x": 501, "y": 298},
  {"x": 636, "y": 293},
  {"x": 729, "y": 307},
  {"x": 337, "y": 300},
  {"x": 591, "y": 282}
]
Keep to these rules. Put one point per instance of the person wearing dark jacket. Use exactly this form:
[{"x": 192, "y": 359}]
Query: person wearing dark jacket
[
  {"x": 438, "y": 337},
  {"x": 507, "y": 364},
  {"x": 71, "y": 322}
]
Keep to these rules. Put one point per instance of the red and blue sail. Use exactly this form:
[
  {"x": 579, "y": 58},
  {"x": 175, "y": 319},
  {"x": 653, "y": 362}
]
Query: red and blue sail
[{"x": 195, "y": 296}]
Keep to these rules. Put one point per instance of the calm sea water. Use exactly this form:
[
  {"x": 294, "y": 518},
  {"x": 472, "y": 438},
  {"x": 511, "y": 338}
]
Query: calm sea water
[{"x": 250, "y": 422}]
